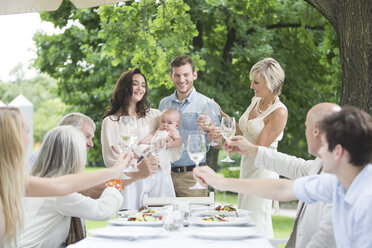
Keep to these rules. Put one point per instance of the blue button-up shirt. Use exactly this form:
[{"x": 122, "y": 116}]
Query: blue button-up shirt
[
  {"x": 352, "y": 208},
  {"x": 189, "y": 109}
]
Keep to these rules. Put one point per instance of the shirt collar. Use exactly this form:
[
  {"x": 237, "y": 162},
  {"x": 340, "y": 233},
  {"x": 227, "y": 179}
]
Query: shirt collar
[
  {"x": 357, "y": 186},
  {"x": 190, "y": 98}
]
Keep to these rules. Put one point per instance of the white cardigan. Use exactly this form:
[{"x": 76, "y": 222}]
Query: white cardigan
[
  {"x": 314, "y": 228},
  {"x": 47, "y": 219}
]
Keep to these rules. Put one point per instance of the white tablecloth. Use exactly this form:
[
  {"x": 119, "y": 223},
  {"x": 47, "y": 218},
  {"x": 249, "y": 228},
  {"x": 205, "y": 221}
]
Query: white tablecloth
[{"x": 173, "y": 240}]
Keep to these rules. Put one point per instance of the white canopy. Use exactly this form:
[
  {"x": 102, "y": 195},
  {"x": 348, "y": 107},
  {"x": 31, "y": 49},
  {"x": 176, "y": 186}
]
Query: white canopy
[{"x": 27, "y": 6}]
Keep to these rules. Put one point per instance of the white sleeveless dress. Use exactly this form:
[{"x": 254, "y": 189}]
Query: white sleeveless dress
[{"x": 251, "y": 129}]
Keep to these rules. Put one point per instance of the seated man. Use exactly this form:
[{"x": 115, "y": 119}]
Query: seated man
[
  {"x": 313, "y": 223},
  {"x": 346, "y": 152}
]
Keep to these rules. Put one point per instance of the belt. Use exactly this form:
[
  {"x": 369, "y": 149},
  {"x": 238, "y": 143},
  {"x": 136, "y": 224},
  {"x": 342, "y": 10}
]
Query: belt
[{"x": 186, "y": 168}]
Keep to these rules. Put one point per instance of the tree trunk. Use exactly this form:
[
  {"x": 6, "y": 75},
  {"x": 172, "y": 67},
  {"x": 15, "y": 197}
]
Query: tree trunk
[{"x": 352, "y": 20}]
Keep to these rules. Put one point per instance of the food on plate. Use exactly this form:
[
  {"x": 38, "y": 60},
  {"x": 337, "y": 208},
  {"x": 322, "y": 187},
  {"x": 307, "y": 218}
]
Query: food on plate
[
  {"x": 147, "y": 210},
  {"x": 218, "y": 218},
  {"x": 227, "y": 208},
  {"x": 144, "y": 217}
]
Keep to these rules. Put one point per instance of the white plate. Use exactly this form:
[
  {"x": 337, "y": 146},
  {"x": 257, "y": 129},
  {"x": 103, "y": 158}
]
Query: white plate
[
  {"x": 232, "y": 221},
  {"x": 223, "y": 233},
  {"x": 125, "y": 222},
  {"x": 238, "y": 213},
  {"x": 127, "y": 232},
  {"x": 126, "y": 213}
]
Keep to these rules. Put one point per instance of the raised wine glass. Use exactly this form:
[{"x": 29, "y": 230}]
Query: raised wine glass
[
  {"x": 228, "y": 129},
  {"x": 158, "y": 143},
  {"x": 213, "y": 118},
  {"x": 128, "y": 138},
  {"x": 196, "y": 148}
]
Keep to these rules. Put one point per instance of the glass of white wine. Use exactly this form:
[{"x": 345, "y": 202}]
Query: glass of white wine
[
  {"x": 128, "y": 138},
  {"x": 228, "y": 129},
  {"x": 196, "y": 148}
]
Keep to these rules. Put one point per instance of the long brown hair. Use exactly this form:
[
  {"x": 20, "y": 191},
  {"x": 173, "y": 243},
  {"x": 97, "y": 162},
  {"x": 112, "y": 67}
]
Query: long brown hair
[
  {"x": 12, "y": 171},
  {"x": 122, "y": 94}
]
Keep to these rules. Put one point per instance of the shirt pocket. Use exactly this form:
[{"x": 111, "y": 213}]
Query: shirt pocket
[{"x": 188, "y": 121}]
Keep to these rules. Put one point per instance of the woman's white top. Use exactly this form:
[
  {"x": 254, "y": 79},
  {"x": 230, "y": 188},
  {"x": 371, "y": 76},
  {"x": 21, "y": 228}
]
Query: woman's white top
[
  {"x": 47, "y": 219},
  {"x": 158, "y": 185}
]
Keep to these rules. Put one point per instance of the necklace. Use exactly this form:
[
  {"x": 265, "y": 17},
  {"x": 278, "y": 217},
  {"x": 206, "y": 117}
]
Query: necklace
[{"x": 258, "y": 110}]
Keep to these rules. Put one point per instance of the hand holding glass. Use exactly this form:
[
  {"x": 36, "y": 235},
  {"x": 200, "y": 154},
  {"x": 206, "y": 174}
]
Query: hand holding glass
[
  {"x": 196, "y": 149},
  {"x": 228, "y": 129}
]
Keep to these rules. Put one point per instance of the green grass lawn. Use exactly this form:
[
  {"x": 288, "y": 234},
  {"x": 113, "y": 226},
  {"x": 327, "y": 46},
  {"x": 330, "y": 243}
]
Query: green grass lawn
[{"x": 282, "y": 225}]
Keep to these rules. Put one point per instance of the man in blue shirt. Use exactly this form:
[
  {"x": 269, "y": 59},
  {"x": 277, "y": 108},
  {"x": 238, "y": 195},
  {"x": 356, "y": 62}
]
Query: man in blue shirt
[
  {"x": 346, "y": 151},
  {"x": 189, "y": 103}
]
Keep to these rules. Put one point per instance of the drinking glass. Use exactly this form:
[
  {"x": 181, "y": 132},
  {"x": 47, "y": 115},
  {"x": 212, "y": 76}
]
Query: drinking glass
[
  {"x": 213, "y": 118},
  {"x": 158, "y": 144},
  {"x": 196, "y": 149},
  {"x": 128, "y": 138},
  {"x": 173, "y": 218},
  {"x": 228, "y": 129}
]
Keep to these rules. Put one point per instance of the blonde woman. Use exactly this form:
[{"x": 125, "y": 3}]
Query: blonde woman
[
  {"x": 262, "y": 124},
  {"x": 14, "y": 184}
]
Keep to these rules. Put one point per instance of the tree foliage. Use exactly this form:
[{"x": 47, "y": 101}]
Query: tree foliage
[
  {"x": 41, "y": 91},
  {"x": 225, "y": 38}
]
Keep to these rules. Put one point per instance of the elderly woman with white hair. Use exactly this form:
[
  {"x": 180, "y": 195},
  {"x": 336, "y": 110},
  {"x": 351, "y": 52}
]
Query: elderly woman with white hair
[
  {"x": 262, "y": 124},
  {"x": 47, "y": 219}
]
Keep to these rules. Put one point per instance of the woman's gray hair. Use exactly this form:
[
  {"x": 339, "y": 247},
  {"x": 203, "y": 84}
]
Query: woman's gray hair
[
  {"x": 271, "y": 71},
  {"x": 62, "y": 152},
  {"x": 77, "y": 120}
]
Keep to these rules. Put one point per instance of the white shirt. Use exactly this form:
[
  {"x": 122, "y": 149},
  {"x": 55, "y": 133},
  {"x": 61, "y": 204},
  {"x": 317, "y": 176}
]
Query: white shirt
[
  {"x": 352, "y": 214},
  {"x": 47, "y": 219},
  {"x": 314, "y": 221}
]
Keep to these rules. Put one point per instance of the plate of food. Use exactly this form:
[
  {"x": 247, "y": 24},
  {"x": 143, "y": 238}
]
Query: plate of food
[
  {"x": 224, "y": 233},
  {"x": 138, "y": 219},
  {"x": 226, "y": 210},
  {"x": 221, "y": 220},
  {"x": 144, "y": 210},
  {"x": 127, "y": 232}
]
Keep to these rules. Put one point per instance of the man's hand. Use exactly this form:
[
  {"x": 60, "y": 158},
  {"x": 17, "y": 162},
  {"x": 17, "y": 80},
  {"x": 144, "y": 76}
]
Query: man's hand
[
  {"x": 202, "y": 120},
  {"x": 239, "y": 144},
  {"x": 206, "y": 176}
]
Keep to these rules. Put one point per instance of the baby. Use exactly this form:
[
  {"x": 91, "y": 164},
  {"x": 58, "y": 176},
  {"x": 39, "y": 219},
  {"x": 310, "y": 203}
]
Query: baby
[
  {"x": 169, "y": 122},
  {"x": 160, "y": 184}
]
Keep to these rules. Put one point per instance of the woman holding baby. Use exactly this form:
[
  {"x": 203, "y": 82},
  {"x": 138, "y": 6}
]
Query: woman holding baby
[{"x": 129, "y": 98}]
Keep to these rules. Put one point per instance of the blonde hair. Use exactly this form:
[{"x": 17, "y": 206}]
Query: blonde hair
[
  {"x": 271, "y": 71},
  {"x": 62, "y": 152},
  {"x": 12, "y": 171}
]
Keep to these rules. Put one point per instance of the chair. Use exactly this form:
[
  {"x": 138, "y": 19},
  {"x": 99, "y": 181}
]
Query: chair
[
  {"x": 277, "y": 242},
  {"x": 161, "y": 201}
]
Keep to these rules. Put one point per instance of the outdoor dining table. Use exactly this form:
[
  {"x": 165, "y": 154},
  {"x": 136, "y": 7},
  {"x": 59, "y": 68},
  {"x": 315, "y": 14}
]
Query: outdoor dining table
[{"x": 192, "y": 236}]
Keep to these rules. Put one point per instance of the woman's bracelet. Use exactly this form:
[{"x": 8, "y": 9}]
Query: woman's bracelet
[{"x": 116, "y": 183}]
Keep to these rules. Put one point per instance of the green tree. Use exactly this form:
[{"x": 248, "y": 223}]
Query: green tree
[
  {"x": 224, "y": 37},
  {"x": 40, "y": 90}
]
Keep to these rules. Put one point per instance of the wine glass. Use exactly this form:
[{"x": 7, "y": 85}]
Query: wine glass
[
  {"x": 212, "y": 120},
  {"x": 158, "y": 143},
  {"x": 196, "y": 149},
  {"x": 128, "y": 138},
  {"x": 228, "y": 129}
]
